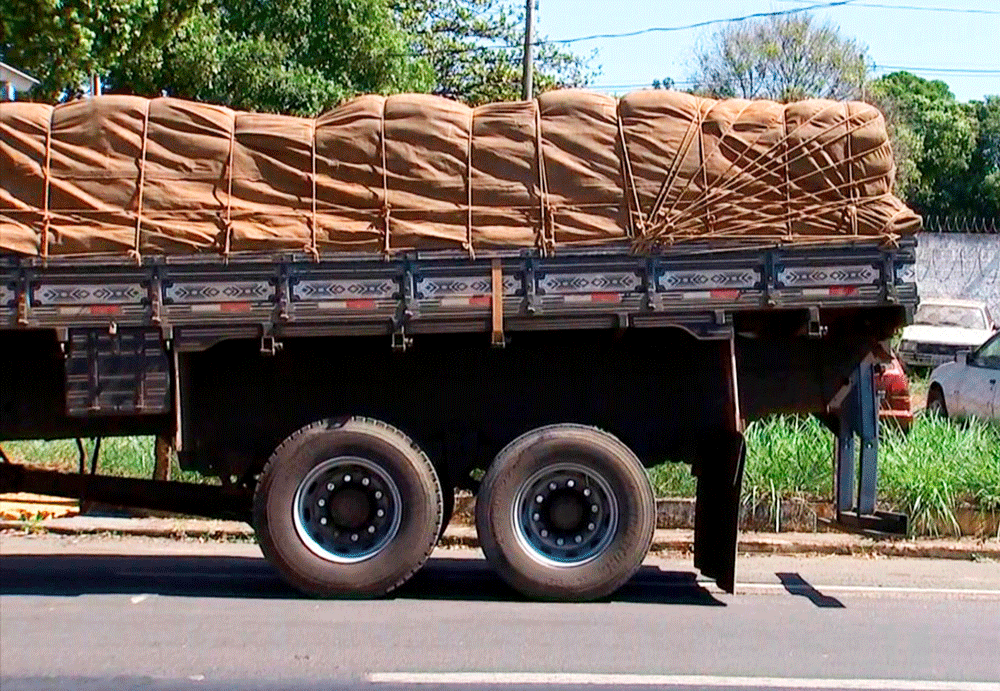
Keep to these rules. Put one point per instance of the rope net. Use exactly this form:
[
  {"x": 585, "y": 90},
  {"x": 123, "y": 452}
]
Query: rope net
[{"x": 132, "y": 176}]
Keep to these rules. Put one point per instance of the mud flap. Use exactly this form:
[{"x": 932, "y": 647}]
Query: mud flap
[{"x": 719, "y": 469}]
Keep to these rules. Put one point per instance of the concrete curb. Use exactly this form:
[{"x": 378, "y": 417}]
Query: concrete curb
[{"x": 678, "y": 540}]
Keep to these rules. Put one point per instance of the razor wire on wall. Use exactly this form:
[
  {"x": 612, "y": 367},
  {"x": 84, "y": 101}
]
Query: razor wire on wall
[{"x": 960, "y": 265}]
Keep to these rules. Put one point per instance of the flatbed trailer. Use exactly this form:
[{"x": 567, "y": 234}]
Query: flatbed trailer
[{"x": 341, "y": 400}]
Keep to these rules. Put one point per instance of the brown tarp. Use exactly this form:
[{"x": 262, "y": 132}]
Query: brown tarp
[{"x": 134, "y": 176}]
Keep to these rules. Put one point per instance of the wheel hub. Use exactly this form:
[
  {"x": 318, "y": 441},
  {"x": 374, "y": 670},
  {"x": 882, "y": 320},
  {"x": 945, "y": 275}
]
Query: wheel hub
[
  {"x": 347, "y": 509},
  {"x": 565, "y": 514}
]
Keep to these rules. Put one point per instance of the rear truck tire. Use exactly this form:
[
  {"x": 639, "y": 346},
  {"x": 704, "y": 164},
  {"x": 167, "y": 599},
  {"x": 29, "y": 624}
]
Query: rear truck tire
[
  {"x": 348, "y": 508},
  {"x": 566, "y": 512},
  {"x": 935, "y": 403}
]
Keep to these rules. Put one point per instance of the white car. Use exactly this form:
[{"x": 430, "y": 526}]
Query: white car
[
  {"x": 941, "y": 328},
  {"x": 970, "y": 386}
]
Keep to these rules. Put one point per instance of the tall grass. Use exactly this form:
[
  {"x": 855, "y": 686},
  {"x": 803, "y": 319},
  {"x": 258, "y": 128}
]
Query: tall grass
[
  {"x": 119, "y": 456},
  {"x": 926, "y": 474}
]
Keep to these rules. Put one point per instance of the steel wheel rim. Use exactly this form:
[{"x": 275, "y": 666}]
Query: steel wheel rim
[
  {"x": 543, "y": 515},
  {"x": 347, "y": 510}
]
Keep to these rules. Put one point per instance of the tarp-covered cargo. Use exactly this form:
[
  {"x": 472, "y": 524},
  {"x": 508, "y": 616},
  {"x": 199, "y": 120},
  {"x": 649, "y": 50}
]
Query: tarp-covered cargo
[{"x": 134, "y": 176}]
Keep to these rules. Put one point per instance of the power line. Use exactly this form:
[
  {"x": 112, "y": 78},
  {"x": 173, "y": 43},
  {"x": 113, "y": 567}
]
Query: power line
[
  {"x": 629, "y": 34},
  {"x": 918, "y": 8}
]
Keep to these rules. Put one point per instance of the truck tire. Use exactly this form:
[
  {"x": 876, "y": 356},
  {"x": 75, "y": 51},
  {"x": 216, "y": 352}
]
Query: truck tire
[
  {"x": 347, "y": 508},
  {"x": 565, "y": 512}
]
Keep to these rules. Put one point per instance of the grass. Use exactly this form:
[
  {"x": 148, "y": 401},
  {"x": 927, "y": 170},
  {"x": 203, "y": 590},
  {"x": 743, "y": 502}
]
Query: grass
[
  {"x": 927, "y": 473},
  {"x": 120, "y": 457}
]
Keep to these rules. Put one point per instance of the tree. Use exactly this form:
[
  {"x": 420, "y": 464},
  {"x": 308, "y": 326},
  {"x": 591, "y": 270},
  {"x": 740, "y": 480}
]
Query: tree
[
  {"x": 784, "y": 58},
  {"x": 475, "y": 49},
  {"x": 934, "y": 138},
  {"x": 984, "y": 165},
  {"x": 289, "y": 56},
  {"x": 62, "y": 42}
]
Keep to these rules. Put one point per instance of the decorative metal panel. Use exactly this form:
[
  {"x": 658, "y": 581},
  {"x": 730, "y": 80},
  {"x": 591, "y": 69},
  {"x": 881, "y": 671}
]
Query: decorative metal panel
[
  {"x": 743, "y": 279},
  {"x": 590, "y": 282},
  {"x": 801, "y": 276},
  {"x": 442, "y": 286},
  {"x": 7, "y": 295},
  {"x": 88, "y": 294},
  {"x": 218, "y": 291},
  {"x": 326, "y": 288}
]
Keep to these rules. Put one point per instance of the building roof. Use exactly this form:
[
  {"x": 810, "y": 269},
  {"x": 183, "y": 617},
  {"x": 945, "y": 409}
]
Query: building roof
[{"x": 19, "y": 79}]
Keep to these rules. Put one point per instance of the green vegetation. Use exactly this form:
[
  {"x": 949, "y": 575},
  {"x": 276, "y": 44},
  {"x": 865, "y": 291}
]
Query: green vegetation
[
  {"x": 927, "y": 473},
  {"x": 298, "y": 57},
  {"x": 120, "y": 456}
]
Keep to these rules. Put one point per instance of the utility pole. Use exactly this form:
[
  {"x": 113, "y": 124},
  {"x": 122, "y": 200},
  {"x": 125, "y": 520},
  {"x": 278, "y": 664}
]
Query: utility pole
[{"x": 528, "y": 73}]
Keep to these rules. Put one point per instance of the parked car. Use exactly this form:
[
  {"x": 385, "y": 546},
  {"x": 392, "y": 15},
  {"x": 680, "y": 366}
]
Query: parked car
[
  {"x": 943, "y": 327},
  {"x": 893, "y": 387},
  {"x": 970, "y": 386}
]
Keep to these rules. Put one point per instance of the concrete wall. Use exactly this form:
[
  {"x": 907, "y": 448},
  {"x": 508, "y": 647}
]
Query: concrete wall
[{"x": 960, "y": 265}]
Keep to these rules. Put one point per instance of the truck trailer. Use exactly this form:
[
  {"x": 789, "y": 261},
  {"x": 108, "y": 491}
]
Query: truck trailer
[{"x": 343, "y": 320}]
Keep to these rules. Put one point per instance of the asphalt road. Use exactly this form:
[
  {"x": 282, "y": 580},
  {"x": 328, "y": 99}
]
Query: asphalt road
[{"x": 90, "y": 613}]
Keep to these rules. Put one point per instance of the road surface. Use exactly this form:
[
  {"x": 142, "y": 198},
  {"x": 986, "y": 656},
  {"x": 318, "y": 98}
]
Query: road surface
[{"x": 94, "y": 613}]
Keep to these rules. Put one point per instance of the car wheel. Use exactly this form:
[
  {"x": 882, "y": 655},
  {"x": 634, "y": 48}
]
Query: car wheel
[{"x": 935, "y": 403}]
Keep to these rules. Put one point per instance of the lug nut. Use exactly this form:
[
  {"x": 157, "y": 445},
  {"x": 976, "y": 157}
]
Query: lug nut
[
  {"x": 330, "y": 486},
  {"x": 371, "y": 529},
  {"x": 347, "y": 478},
  {"x": 365, "y": 481},
  {"x": 570, "y": 483},
  {"x": 559, "y": 542},
  {"x": 578, "y": 539},
  {"x": 380, "y": 513},
  {"x": 322, "y": 521},
  {"x": 378, "y": 495},
  {"x": 591, "y": 526},
  {"x": 539, "y": 498},
  {"x": 552, "y": 485},
  {"x": 586, "y": 492},
  {"x": 354, "y": 538},
  {"x": 545, "y": 533},
  {"x": 535, "y": 517},
  {"x": 593, "y": 508}
]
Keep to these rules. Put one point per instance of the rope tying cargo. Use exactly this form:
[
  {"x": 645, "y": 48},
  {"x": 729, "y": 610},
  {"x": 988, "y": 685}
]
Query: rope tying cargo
[{"x": 570, "y": 168}]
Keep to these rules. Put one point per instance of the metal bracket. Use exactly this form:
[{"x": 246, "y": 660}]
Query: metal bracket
[
  {"x": 269, "y": 345},
  {"x": 654, "y": 301},
  {"x": 284, "y": 296},
  {"x": 155, "y": 298},
  {"x": 889, "y": 278},
  {"x": 400, "y": 341},
  {"x": 23, "y": 301},
  {"x": 532, "y": 304},
  {"x": 770, "y": 279},
  {"x": 411, "y": 308},
  {"x": 816, "y": 329}
]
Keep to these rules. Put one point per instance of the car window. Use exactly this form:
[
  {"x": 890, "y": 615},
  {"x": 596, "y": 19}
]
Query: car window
[
  {"x": 989, "y": 354},
  {"x": 951, "y": 315}
]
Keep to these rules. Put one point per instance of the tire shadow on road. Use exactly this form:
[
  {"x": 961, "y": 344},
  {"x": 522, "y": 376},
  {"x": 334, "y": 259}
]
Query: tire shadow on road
[{"x": 254, "y": 578}]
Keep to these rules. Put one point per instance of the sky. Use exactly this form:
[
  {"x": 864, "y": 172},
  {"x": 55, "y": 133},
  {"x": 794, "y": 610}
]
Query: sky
[{"x": 948, "y": 45}]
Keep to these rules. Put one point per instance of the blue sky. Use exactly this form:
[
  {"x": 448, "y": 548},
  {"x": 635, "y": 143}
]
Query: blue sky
[{"x": 933, "y": 40}]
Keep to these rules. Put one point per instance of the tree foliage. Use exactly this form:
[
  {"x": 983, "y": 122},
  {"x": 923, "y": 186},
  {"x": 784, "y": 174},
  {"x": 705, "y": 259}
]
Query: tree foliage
[
  {"x": 948, "y": 153},
  {"x": 289, "y": 56},
  {"x": 475, "y": 49},
  {"x": 784, "y": 58},
  {"x": 62, "y": 42}
]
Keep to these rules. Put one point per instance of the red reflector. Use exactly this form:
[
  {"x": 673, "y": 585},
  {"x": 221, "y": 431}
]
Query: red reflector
[
  {"x": 361, "y": 304},
  {"x": 234, "y": 306},
  {"x": 480, "y": 301},
  {"x": 843, "y": 290},
  {"x": 605, "y": 297},
  {"x": 105, "y": 310},
  {"x": 725, "y": 294}
]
